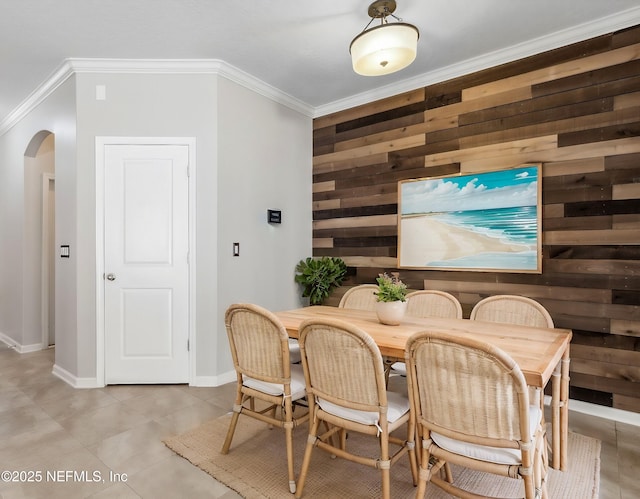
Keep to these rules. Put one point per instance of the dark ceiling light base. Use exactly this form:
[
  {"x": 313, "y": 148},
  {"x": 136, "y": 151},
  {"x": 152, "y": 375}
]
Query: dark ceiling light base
[{"x": 382, "y": 8}]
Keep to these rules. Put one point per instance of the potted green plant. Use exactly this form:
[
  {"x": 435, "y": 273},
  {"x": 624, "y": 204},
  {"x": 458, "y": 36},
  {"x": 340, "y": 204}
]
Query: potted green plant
[
  {"x": 319, "y": 276},
  {"x": 391, "y": 299}
]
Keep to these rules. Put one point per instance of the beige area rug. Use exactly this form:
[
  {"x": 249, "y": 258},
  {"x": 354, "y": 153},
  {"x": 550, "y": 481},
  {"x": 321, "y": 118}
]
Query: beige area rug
[{"x": 256, "y": 466}]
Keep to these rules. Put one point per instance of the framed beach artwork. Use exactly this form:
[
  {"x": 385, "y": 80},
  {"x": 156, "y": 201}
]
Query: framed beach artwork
[{"x": 489, "y": 221}]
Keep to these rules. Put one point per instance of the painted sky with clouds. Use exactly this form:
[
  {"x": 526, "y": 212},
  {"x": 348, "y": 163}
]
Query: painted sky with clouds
[{"x": 490, "y": 190}]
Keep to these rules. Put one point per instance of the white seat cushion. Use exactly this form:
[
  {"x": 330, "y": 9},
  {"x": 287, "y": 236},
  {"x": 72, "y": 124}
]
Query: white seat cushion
[
  {"x": 485, "y": 453},
  {"x": 298, "y": 386},
  {"x": 294, "y": 351},
  {"x": 399, "y": 368},
  {"x": 397, "y": 406}
]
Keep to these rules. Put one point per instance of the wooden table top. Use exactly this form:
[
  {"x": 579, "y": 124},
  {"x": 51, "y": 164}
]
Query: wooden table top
[{"x": 536, "y": 350}]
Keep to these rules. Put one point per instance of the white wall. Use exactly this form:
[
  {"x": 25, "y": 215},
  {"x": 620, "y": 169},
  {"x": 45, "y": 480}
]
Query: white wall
[
  {"x": 265, "y": 162},
  {"x": 140, "y": 105},
  {"x": 242, "y": 137},
  {"x": 57, "y": 115},
  {"x": 252, "y": 154}
]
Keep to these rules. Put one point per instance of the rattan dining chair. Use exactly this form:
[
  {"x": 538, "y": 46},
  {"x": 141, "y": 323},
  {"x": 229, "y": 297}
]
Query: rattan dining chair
[
  {"x": 360, "y": 297},
  {"x": 429, "y": 303},
  {"x": 346, "y": 391},
  {"x": 514, "y": 309},
  {"x": 471, "y": 405},
  {"x": 265, "y": 377},
  {"x": 433, "y": 303}
]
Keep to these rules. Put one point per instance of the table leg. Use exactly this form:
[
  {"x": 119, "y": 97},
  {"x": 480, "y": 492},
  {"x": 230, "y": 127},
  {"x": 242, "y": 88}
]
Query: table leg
[
  {"x": 555, "y": 417},
  {"x": 564, "y": 410},
  {"x": 560, "y": 413}
]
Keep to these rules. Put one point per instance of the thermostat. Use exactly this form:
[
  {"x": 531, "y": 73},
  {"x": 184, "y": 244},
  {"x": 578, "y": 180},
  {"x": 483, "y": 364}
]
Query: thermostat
[{"x": 274, "y": 216}]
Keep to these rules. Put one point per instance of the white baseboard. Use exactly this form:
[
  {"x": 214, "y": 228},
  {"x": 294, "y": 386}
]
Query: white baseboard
[
  {"x": 8, "y": 341},
  {"x": 219, "y": 380},
  {"x": 74, "y": 381},
  {"x": 18, "y": 347},
  {"x": 601, "y": 411},
  {"x": 36, "y": 347},
  {"x": 596, "y": 410}
]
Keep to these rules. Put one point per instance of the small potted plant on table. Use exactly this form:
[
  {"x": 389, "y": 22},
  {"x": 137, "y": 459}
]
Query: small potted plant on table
[{"x": 392, "y": 299}]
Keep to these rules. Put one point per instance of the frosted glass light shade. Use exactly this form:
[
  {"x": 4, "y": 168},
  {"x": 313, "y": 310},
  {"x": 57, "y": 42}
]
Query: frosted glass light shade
[{"x": 384, "y": 49}]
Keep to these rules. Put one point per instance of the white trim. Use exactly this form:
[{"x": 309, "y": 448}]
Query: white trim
[
  {"x": 221, "y": 379},
  {"x": 601, "y": 411},
  {"x": 101, "y": 142},
  {"x": 579, "y": 33},
  {"x": 39, "y": 95},
  {"x": 35, "y": 347},
  {"x": 46, "y": 271},
  {"x": 190, "y": 66},
  {"x": 73, "y": 66},
  {"x": 562, "y": 38},
  {"x": 72, "y": 380},
  {"x": 596, "y": 410},
  {"x": 192, "y": 259},
  {"x": 9, "y": 341}
]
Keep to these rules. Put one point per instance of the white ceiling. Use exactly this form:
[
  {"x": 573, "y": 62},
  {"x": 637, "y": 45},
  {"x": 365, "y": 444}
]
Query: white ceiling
[{"x": 297, "y": 46}]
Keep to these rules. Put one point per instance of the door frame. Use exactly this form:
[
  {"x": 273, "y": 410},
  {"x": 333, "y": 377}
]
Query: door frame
[
  {"x": 47, "y": 178},
  {"x": 101, "y": 143}
]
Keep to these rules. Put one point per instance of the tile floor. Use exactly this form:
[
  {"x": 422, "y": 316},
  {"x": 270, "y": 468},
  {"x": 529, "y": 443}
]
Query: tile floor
[{"x": 112, "y": 437}]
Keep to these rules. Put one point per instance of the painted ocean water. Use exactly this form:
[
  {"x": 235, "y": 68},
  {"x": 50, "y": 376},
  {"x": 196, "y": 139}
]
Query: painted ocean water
[{"x": 517, "y": 225}]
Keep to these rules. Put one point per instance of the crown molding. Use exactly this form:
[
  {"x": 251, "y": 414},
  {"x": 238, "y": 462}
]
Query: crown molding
[
  {"x": 218, "y": 67},
  {"x": 190, "y": 66},
  {"x": 609, "y": 24},
  {"x": 57, "y": 78}
]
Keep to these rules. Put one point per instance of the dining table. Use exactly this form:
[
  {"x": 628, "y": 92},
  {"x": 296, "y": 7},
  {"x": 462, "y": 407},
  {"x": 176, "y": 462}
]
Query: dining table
[{"x": 542, "y": 353}]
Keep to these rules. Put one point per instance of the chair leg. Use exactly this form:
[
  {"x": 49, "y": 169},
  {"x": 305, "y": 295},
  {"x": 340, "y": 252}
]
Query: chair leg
[
  {"x": 288, "y": 431},
  {"x": 423, "y": 473},
  {"x": 529, "y": 489},
  {"x": 386, "y": 483},
  {"x": 232, "y": 429},
  {"x": 311, "y": 441},
  {"x": 343, "y": 439},
  {"x": 448, "y": 476},
  {"x": 541, "y": 467},
  {"x": 292, "y": 478},
  {"x": 385, "y": 464}
]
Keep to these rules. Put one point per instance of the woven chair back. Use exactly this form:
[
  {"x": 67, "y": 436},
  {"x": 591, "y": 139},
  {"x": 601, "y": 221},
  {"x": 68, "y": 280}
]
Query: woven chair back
[
  {"x": 433, "y": 303},
  {"x": 467, "y": 390},
  {"x": 343, "y": 364},
  {"x": 512, "y": 309},
  {"x": 360, "y": 297},
  {"x": 259, "y": 343}
]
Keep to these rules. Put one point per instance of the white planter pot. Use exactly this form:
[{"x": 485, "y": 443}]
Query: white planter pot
[{"x": 391, "y": 312}]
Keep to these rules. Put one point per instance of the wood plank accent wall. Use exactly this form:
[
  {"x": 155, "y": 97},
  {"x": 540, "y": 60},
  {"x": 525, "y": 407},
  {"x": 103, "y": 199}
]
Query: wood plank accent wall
[{"x": 576, "y": 110}]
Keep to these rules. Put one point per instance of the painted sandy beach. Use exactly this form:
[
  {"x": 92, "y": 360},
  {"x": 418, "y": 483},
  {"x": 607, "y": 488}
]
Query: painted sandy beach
[{"x": 425, "y": 240}]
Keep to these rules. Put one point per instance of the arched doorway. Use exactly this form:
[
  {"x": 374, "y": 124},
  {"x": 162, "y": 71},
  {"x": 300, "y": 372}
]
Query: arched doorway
[{"x": 39, "y": 233}]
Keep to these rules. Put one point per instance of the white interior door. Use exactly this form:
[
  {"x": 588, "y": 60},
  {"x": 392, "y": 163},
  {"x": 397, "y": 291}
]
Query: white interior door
[{"x": 146, "y": 245}]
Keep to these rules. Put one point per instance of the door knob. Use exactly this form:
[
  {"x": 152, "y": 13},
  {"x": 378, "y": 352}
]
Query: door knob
[{"x": 111, "y": 277}]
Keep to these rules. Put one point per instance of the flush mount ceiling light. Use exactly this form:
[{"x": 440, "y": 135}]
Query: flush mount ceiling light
[{"x": 386, "y": 48}]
